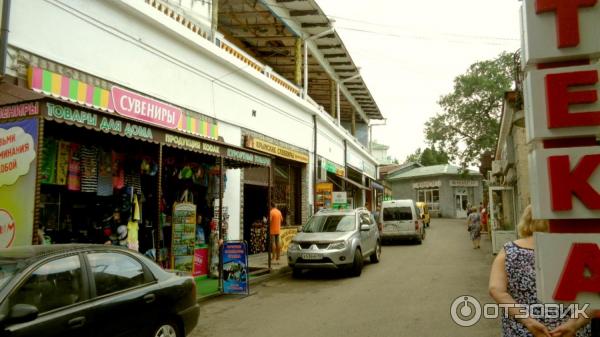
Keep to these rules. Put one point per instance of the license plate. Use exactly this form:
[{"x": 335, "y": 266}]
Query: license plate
[{"x": 312, "y": 256}]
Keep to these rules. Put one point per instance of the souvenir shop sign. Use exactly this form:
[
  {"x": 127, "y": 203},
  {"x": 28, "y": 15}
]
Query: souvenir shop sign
[
  {"x": 333, "y": 168},
  {"x": 98, "y": 122},
  {"x": 276, "y": 150},
  {"x": 183, "y": 239},
  {"x": 19, "y": 110},
  {"x": 18, "y": 171},
  {"x": 136, "y": 106},
  {"x": 235, "y": 268}
]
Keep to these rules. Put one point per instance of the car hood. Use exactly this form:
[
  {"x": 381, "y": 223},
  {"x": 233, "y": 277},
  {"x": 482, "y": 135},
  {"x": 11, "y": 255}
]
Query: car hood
[{"x": 322, "y": 237}]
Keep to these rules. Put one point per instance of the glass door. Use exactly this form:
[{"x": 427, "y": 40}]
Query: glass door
[
  {"x": 461, "y": 203},
  {"x": 503, "y": 217}
]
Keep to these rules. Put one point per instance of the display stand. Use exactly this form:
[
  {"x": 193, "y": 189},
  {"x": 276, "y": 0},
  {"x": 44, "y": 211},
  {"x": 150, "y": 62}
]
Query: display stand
[{"x": 183, "y": 237}]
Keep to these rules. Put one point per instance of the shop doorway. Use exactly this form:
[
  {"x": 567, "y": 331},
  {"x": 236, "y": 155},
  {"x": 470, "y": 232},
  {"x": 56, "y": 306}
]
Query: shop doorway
[
  {"x": 503, "y": 217},
  {"x": 461, "y": 204},
  {"x": 255, "y": 209}
]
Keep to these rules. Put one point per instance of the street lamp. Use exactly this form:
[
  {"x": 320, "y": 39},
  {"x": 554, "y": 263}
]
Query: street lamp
[{"x": 311, "y": 38}]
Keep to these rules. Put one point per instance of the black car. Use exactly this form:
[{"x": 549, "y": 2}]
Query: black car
[{"x": 91, "y": 290}]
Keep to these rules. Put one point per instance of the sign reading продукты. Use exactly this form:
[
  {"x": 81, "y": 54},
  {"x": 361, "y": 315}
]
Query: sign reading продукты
[{"x": 235, "y": 268}]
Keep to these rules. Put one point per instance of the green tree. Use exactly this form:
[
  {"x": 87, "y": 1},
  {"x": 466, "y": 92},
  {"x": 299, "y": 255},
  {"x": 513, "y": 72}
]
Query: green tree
[
  {"x": 468, "y": 127},
  {"x": 427, "y": 157}
]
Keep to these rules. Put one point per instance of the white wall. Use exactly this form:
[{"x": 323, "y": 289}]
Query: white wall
[
  {"x": 231, "y": 198},
  {"x": 329, "y": 145}
]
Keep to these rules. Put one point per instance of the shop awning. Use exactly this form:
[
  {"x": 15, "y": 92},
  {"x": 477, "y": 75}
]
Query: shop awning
[
  {"x": 376, "y": 186},
  {"x": 355, "y": 184}
]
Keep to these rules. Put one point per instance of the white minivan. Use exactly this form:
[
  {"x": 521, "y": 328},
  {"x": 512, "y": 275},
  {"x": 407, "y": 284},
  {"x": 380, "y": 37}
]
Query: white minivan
[{"x": 400, "y": 220}]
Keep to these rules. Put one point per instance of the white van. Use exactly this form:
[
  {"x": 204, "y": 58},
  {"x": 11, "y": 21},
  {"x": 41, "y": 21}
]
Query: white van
[{"x": 400, "y": 220}]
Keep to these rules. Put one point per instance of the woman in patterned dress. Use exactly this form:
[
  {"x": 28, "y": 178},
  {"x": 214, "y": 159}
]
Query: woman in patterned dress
[{"x": 512, "y": 281}]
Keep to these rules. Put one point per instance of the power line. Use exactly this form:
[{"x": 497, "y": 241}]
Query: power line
[{"x": 444, "y": 37}]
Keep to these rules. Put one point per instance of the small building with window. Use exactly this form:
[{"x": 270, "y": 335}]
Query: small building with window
[{"x": 447, "y": 189}]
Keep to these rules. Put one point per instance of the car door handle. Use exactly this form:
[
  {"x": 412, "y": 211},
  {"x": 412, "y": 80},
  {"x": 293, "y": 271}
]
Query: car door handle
[
  {"x": 149, "y": 298},
  {"x": 77, "y": 322}
]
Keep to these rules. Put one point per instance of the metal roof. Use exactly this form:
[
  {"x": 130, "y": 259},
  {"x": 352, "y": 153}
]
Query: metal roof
[
  {"x": 435, "y": 170},
  {"x": 267, "y": 30}
]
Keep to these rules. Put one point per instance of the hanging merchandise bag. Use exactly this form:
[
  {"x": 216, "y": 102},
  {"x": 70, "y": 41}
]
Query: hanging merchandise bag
[{"x": 183, "y": 238}]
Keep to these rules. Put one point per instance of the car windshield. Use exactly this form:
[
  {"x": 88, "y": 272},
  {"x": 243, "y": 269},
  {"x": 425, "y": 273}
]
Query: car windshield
[
  {"x": 330, "y": 223},
  {"x": 397, "y": 213},
  {"x": 8, "y": 269}
]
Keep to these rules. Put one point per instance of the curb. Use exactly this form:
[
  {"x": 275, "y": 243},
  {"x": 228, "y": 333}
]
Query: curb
[{"x": 253, "y": 282}]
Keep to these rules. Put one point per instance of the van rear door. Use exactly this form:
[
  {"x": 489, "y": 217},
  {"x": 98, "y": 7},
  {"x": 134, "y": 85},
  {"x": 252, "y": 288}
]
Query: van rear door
[{"x": 398, "y": 218}]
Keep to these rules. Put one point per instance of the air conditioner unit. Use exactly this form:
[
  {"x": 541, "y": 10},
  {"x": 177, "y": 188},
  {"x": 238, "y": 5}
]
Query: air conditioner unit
[{"x": 497, "y": 167}]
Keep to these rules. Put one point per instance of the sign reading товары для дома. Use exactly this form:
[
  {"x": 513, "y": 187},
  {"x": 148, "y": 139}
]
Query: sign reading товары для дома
[{"x": 561, "y": 100}]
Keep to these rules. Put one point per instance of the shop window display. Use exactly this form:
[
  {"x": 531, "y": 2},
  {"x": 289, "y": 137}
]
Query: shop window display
[{"x": 95, "y": 190}]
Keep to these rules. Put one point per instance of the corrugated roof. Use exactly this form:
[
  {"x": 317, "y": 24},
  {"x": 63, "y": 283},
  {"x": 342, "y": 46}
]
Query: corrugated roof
[{"x": 435, "y": 170}]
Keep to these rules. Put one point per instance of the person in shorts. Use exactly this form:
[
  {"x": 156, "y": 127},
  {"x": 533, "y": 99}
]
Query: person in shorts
[{"x": 275, "y": 218}]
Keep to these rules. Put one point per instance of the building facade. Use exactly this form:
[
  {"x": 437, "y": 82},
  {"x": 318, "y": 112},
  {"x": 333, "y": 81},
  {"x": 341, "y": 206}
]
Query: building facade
[
  {"x": 166, "y": 70},
  {"x": 448, "y": 191}
]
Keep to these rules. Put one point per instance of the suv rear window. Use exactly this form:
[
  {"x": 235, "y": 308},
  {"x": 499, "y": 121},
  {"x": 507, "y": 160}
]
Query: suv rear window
[{"x": 397, "y": 213}]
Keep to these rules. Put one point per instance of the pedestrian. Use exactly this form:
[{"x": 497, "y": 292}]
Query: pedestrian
[
  {"x": 513, "y": 281},
  {"x": 376, "y": 217},
  {"x": 484, "y": 219},
  {"x": 275, "y": 228},
  {"x": 474, "y": 227}
]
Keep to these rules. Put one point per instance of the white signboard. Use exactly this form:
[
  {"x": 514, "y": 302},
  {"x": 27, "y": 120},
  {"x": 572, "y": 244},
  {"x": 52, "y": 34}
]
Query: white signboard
[
  {"x": 427, "y": 184},
  {"x": 550, "y": 34},
  {"x": 565, "y": 265},
  {"x": 550, "y": 95},
  {"x": 565, "y": 183},
  {"x": 464, "y": 183},
  {"x": 339, "y": 198},
  {"x": 353, "y": 159}
]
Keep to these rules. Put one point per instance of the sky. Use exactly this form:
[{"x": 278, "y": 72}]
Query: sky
[{"x": 410, "y": 51}]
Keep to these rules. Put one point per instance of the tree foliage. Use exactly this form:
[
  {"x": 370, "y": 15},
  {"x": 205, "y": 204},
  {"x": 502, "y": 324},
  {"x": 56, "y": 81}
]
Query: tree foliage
[
  {"x": 428, "y": 157},
  {"x": 468, "y": 127}
]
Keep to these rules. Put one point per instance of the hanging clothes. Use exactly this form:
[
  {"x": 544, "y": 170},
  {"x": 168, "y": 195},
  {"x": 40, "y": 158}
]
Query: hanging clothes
[
  {"x": 74, "y": 174},
  {"x": 132, "y": 235},
  {"x": 105, "y": 175},
  {"x": 62, "y": 162},
  {"x": 118, "y": 170},
  {"x": 137, "y": 210},
  {"x": 49, "y": 156},
  {"x": 89, "y": 169}
]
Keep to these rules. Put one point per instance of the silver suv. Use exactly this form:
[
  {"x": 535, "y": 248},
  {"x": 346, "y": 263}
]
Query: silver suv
[{"x": 336, "y": 239}]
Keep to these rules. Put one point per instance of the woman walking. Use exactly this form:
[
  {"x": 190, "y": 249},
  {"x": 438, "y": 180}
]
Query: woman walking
[
  {"x": 474, "y": 227},
  {"x": 512, "y": 281}
]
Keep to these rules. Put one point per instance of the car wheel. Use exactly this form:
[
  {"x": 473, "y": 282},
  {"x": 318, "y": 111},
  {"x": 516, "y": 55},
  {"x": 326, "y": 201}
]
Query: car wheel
[
  {"x": 357, "y": 263},
  {"x": 166, "y": 329},
  {"x": 420, "y": 238},
  {"x": 376, "y": 256},
  {"x": 296, "y": 272}
]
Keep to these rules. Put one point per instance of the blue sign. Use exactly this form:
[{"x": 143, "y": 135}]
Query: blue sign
[{"x": 235, "y": 268}]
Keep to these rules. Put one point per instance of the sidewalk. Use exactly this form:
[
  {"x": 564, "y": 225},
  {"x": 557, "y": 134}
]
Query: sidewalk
[{"x": 258, "y": 271}]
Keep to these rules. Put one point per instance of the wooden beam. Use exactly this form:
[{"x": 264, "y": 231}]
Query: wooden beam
[
  {"x": 304, "y": 12},
  {"x": 282, "y": 1},
  {"x": 348, "y": 63},
  {"x": 329, "y": 46},
  {"x": 330, "y": 56},
  {"x": 315, "y": 24}
]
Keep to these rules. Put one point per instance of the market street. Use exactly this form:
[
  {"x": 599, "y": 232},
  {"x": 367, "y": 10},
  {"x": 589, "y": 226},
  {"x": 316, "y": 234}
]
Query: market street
[{"x": 408, "y": 294}]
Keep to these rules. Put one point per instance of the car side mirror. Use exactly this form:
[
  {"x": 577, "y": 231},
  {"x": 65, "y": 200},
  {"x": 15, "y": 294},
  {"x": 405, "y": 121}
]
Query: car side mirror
[
  {"x": 365, "y": 228},
  {"x": 21, "y": 313}
]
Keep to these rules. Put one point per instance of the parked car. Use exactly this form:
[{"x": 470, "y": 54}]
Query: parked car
[
  {"x": 401, "y": 220},
  {"x": 91, "y": 290},
  {"x": 336, "y": 239},
  {"x": 424, "y": 213}
]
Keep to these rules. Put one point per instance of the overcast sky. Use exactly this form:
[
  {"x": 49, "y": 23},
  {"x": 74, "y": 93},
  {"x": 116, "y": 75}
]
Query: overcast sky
[{"x": 411, "y": 51}]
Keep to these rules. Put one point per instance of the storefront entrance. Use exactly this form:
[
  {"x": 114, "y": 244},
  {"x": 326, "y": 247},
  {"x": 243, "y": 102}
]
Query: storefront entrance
[
  {"x": 503, "y": 217},
  {"x": 461, "y": 203},
  {"x": 255, "y": 213}
]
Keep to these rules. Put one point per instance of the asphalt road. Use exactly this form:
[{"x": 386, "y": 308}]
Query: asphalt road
[{"x": 409, "y": 293}]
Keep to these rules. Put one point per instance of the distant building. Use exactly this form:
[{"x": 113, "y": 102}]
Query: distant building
[
  {"x": 380, "y": 152},
  {"x": 446, "y": 189}
]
